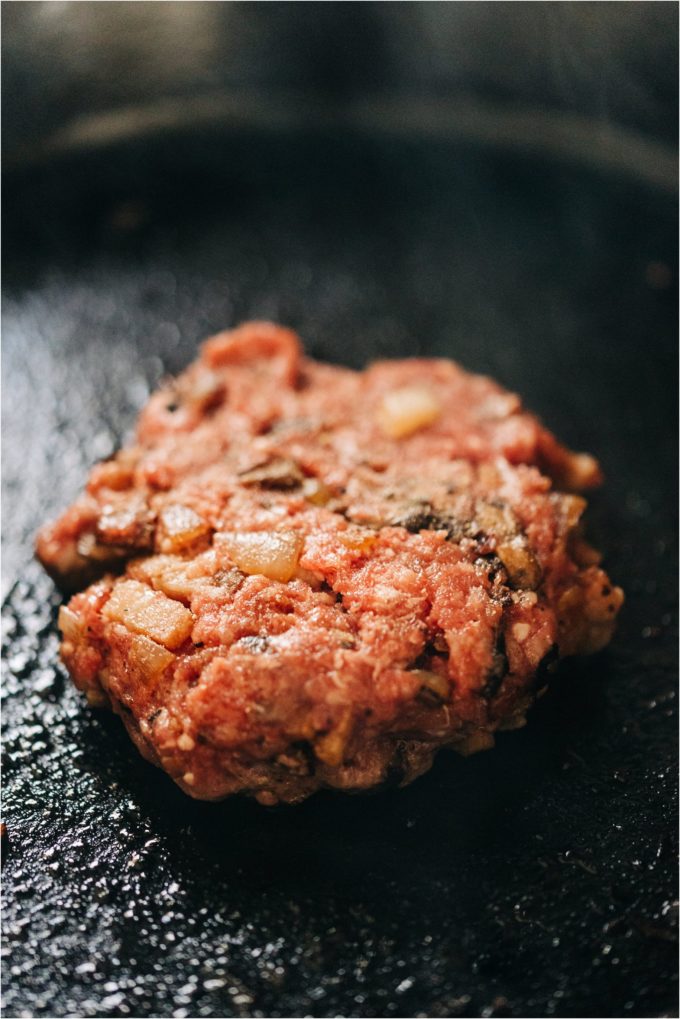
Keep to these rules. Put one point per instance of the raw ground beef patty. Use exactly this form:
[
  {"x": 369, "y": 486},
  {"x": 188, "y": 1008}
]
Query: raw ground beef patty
[{"x": 306, "y": 576}]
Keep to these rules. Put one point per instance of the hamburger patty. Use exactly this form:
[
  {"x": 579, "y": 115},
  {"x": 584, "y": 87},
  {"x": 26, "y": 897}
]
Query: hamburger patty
[{"x": 303, "y": 576}]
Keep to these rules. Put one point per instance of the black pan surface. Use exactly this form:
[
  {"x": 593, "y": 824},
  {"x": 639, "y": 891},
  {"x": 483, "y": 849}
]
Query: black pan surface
[{"x": 535, "y": 880}]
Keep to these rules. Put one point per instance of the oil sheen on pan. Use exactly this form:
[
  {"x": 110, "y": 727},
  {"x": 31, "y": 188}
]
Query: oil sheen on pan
[{"x": 301, "y": 576}]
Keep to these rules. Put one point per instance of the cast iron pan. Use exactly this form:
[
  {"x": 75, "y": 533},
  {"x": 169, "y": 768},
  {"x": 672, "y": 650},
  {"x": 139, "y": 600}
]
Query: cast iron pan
[{"x": 538, "y": 879}]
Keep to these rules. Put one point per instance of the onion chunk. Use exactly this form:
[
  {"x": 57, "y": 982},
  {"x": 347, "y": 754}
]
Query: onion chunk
[
  {"x": 404, "y": 411},
  {"x": 70, "y": 624},
  {"x": 179, "y": 527},
  {"x": 150, "y": 613},
  {"x": 272, "y": 554},
  {"x": 150, "y": 658}
]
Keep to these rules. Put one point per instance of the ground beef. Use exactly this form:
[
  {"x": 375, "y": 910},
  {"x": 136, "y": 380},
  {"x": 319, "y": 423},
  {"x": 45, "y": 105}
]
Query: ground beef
[{"x": 306, "y": 576}]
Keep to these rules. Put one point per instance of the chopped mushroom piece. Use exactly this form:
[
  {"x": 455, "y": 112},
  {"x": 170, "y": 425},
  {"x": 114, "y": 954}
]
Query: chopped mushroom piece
[
  {"x": 520, "y": 562},
  {"x": 277, "y": 473}
]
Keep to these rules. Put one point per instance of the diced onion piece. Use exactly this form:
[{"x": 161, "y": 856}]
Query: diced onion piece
[
  {"x": 266, "y": 798},
  {"x": 126, "y": 521},
  {"x": 149, "y": 657},
  {"x": 330, "y": 748},
  {"x": 586, "y": 614},
  {"x": 315, "y": 491},
  {"x": 474, "y": 743},
  {"x": 168, "y": 574},
  {"x": 433, "y": 684},
  {"x": 581, "y": 470},
  {"x": 536, "y": 648},
  {"x": 179, "y": 527},
  {"x": 572, "y": 507},
  {"x": 70, "y": 624},
  {"x": 514, "y": 721},
  {"x": 359, "y": 539},
  {"x": 272, "y": 554},
  {"x": 150, "y": 613},
  {"x": 498, "y": 406},
  {"x": 404, "y": 411}
]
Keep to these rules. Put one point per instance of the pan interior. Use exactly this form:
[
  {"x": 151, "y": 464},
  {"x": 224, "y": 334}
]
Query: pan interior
[{"x": 537, "y": 879}]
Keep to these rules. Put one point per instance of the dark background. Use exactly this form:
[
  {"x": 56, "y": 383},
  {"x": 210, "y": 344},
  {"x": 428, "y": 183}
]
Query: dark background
[{"x": 491, "y": 182}]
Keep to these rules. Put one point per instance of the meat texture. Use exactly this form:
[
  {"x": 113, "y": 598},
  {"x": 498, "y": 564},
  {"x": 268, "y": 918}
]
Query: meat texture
[{"x": 303, "y": 576}]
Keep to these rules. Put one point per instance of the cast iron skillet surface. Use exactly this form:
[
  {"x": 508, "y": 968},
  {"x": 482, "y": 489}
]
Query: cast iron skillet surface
[{"x": 535, "y": 880}]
